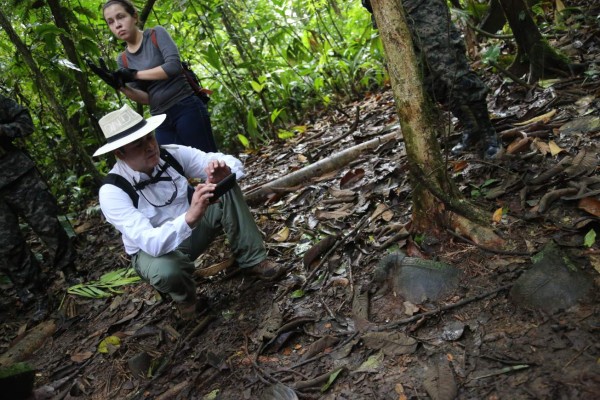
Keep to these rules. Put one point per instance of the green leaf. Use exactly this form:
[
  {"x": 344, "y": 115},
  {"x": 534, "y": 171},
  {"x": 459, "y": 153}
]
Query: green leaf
[
  {"x": 590, "y": 238},
  {"x": 296, "y": 294},
  {"x": 103, "y": 346},
  {"x": 257, "y": 87},
  {"x": 275, "y": 114},
  {"x": 332, "y": 378},
  {"x": 243, "y": 140},
  {"x": 283, "y": 134}
]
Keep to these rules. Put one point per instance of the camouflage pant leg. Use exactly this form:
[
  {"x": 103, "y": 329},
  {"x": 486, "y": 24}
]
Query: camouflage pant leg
[
  {"x": 439, "y": 44},
  {"x": 16, "y": 259},
  {"x": 30, "y": 198}
]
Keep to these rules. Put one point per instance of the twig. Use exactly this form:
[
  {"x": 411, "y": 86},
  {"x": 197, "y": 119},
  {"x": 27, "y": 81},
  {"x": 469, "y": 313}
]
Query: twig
[
  {"x": 167, "y": 361},
  {"x": 200, "y": 327},
  {"x": 393, "y": 325},
  {"x": 331, "y": 250},
  {"x": 350, "y": 131},
  {"x": 173, "y": 391},
  {"x": 319, "y": 380},
  {"x": 502, "y": 371},
  {"x": 309, "y": 360},
  {"x": 512, "y": 76},
  {"x": 486, "y": 33},
  {"x": 577, "y": 356},
  {"x": 262, "y": 375}
]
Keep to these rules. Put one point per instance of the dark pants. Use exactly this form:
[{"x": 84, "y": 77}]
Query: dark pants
[
  {"x": 439, "y": 44},
  {"x": 28, "y": 197},
  {"x": 188, "y": 123}
]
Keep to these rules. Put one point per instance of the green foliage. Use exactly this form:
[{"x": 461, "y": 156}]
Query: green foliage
[
  {"x": 107, "y": 285},
  {"x": 269, "y": 62},
  {"x": 590, "y": 238},
  {"x": 482, "y": 190}
]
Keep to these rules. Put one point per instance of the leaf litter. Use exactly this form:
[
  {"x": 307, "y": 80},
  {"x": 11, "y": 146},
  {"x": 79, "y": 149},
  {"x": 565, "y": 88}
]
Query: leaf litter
[{"x": 320, "y": 332}]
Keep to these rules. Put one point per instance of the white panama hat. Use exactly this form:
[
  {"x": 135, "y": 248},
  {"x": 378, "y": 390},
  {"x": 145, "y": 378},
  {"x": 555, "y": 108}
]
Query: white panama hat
[{"x": 125, "y": 126}]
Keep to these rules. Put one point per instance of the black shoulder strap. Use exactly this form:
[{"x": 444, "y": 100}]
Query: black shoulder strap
[
  {"x": 124, "y": 185},
  {"x": 169, "y": 159}
]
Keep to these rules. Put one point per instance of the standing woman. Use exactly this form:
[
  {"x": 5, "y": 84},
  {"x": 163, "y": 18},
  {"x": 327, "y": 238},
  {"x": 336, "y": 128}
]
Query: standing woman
[{"x": 152, "y": 74}]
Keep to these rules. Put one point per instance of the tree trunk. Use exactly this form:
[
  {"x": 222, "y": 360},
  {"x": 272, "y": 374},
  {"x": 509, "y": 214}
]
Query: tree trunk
[
  {"x": 435, "y": 198},
  {"x": 533, "y": 50},
  {"x": 494, "y": 19},
  {"x": 82, "y": 84},
  {"x": 59, "y": 111}
]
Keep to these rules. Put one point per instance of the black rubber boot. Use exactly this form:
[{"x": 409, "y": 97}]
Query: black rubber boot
[
  {"x": 471, "y": 131},
  {"x": 491, "y": 144}
]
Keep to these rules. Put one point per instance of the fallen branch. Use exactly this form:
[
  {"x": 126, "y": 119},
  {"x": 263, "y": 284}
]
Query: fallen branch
[
  {"x": 396, "y": 324},
  {"x": 321, "y": 167},
  {"x": 28, "y": 344}
]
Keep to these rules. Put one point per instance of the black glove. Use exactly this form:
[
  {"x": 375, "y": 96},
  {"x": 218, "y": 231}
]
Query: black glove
[
  {"x": 104, "y": 73},
  {"x": 125, "y": 75}
]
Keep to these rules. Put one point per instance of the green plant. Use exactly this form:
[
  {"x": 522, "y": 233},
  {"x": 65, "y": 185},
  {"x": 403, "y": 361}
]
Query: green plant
[{"x": 478, "y": 191}]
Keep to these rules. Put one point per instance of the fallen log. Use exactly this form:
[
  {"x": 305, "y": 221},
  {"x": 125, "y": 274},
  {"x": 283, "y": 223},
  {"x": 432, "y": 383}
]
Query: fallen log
[{"x": 321, "y": 167}]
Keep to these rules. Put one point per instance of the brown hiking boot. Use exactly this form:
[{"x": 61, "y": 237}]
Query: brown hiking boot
[{"x": 266, "y": 270}]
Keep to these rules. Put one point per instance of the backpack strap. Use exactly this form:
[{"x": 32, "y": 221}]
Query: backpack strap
[
  {"x": 124, "y": 60},
  {"x": 153, "y": 37},
  {"x": 169, "y": 159},
  {"x": 124, "y": 185}
]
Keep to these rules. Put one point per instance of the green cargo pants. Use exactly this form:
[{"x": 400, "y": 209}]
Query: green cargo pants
[{"x": 172, "y": 273}]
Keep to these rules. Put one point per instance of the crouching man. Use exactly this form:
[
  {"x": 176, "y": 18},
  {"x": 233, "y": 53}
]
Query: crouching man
[{"x": 166, "y": 224}]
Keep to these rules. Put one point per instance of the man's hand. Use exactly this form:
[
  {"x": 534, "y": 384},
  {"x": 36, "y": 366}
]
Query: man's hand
[
  {"x": 199, "y": 204},
  {"x": 104, "y": 73},
  {"x": 125, "y": 75},
  {"x": 216, "y": 171}
]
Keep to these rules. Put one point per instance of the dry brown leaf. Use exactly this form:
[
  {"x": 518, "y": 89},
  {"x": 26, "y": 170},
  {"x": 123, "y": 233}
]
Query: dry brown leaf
[
  {"x": 459, "y": 165},
  {"x": 352, "y": 177},
  {"x": 399, "y": 389},
  {"x": 302, "y": 158},
  {"x": 322, "y": 215},
  {"x": 497, "y": 216},
  {"x": 542, "y": 146},
  {"x": 518, "y": 146},
  {"x": 544, "y": 118},
  {"x": 282, "y": 235},
  {"x": 319, "y": 249},
  {"x": 554, "y": 148},
  {"x": 81, "y": 357},
  {"x": 379, "y": 210},
  {"x": 590, "y": 205}
]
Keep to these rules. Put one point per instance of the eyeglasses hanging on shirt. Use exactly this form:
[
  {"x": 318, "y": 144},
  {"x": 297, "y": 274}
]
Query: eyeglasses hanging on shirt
[{"x": 158, "y": 177}]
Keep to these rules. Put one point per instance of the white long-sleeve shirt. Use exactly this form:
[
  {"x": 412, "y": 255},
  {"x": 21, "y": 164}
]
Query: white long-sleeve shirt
[{"x": 158, "y": 230}]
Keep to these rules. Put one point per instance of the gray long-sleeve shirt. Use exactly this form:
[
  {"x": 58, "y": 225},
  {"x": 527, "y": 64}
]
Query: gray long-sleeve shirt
[{"x": 163, "y": 93}]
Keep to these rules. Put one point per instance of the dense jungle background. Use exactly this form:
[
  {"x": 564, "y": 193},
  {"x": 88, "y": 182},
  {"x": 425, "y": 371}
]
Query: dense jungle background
[{"x": 301, "y": 91}]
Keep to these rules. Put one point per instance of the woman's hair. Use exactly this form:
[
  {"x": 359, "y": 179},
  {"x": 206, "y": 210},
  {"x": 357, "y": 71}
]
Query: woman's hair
[{"x": 127, "y": 5}]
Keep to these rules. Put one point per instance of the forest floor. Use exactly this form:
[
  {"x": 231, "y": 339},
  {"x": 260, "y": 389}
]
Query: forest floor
[{"x": 323, "y": 330}]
